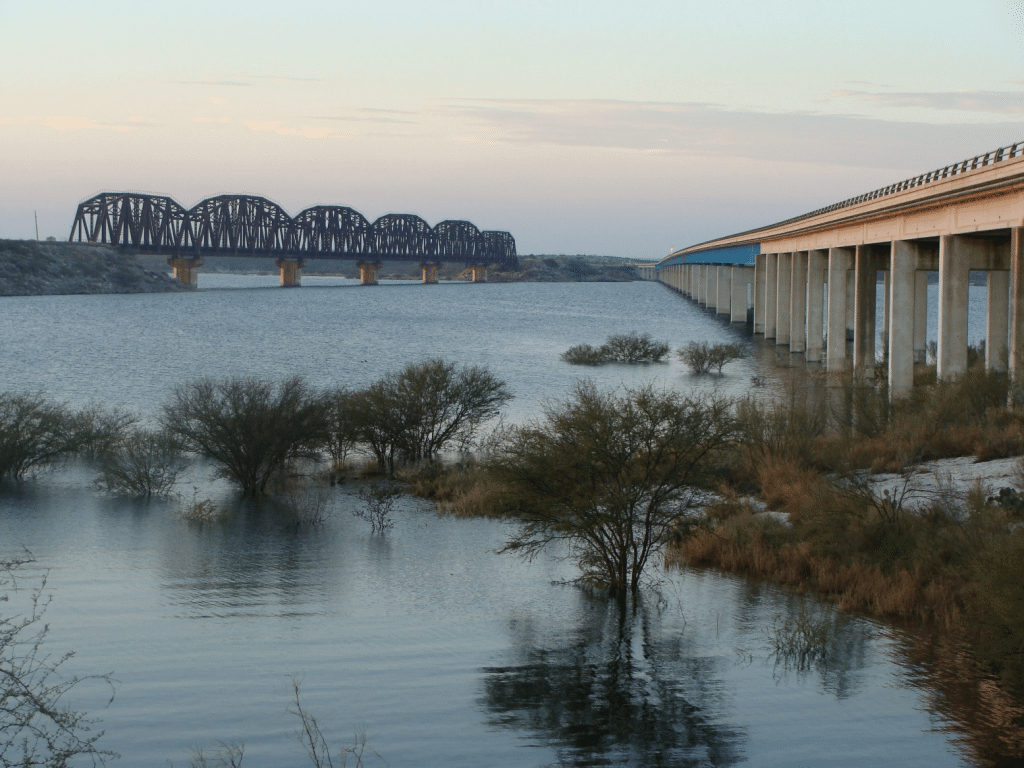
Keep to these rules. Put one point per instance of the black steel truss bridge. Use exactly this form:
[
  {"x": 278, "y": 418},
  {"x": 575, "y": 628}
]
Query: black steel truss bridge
[{"x": 243, "y": 225}]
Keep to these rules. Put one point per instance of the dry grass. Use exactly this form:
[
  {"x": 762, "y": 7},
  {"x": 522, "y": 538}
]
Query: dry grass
[{"x": 462, "y": 490}]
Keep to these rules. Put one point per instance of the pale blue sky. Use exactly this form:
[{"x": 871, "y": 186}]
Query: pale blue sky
[{"x": 581, "y": 127}]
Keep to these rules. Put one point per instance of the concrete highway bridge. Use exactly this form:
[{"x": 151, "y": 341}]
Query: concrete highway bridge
[
  {"x": 242, "y": 225},
  {"x": 813, "y": 279}
]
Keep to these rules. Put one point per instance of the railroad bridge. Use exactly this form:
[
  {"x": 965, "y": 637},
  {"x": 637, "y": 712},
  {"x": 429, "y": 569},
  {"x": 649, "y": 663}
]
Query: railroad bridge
[
  {"x": 243, "y": 225},
  {"x": 812, "y": 279}
]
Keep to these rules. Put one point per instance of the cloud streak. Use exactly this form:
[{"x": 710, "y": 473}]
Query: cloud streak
[
  {"x": 991, "y": 102},
  {"x": 707, "y": 129}
]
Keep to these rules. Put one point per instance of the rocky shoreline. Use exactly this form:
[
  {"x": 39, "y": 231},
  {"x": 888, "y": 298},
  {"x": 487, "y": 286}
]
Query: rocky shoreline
[{"x": 51, "y": 268}]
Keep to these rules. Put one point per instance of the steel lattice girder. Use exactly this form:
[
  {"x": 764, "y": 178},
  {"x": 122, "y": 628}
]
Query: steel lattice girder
[{"x": 244, "y": 225}]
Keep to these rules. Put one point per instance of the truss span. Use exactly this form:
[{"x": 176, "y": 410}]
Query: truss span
[{"x": 243, "y": 225}]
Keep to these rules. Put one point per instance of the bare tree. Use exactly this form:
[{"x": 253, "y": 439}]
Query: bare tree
[
  {"x": 249, "y": 427},
  {"x": 145, "y": 463},
  {"x": 610, "y": 474},
  {"x": 425, "y": 408},
  {"x": 36, "y": 728}
]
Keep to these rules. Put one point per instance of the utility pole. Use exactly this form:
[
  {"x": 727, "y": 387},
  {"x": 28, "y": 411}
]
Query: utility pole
[{"x": 36, "y": 214}]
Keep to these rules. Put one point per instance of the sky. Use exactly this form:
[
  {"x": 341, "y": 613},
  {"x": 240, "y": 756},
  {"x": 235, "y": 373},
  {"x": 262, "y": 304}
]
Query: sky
[{"x": 611, "y": 128}]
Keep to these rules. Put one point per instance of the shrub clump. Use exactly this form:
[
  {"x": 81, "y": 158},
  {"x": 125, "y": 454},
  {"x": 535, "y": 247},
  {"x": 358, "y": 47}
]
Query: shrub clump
[
  {"x": 702, "y": 356},
  {"x": 145, "y": 463},
  {"x": 624, "y": 348}
]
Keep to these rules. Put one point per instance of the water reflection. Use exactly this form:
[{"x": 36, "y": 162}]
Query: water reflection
[
  {"x": 616, "y": 691},
  {"x": 985, "y": 721}
]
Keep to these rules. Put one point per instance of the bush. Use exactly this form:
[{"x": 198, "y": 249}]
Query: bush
[
  {"x": 37, "y": 728},
  {"x": 702, "y": 356},
  {"x": 146, "y": 463},
  {"x": 634, "y": 348},
  {"x": 611, "y": 474},
  {"x": 250, "y": 428},
  {"x": 425, "y": 408},
  {"x": 34, "y": 433},
  {"x": 584, "y": 354},
  {"x": 625, "y": 348}
]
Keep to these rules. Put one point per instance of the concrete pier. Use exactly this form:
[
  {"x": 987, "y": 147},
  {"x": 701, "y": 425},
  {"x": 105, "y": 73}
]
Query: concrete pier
[
  {"x": 185, "y": 270},
  {"x": 479, "y": 273},
  {"x": 429, "y": 270},
  {"x": 291, "y": 272},
  {"x": 817, "y": 268},
  {"x": 798, "y": 303},
  {"x": 840, "y": 262},
  {"x": 368, "y": 272},
  {"x": 783, "y": 306}
]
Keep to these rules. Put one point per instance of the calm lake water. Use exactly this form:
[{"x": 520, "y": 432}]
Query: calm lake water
[{"x": 446, "y": 653}]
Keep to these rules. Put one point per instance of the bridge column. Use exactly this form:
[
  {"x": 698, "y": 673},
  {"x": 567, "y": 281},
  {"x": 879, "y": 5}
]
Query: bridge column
[
  {"x": 865, "y": 307},
  {"x": 291, "y": 272},
  {"x": 817, "y": 264},
  {"x": 702, "y": 285},
  {"x": 368, "y": 272},
  {"x": 783, "y": 306},
  {"x": 760, "y": 262},
  {"x": 429, "y": 272},
  {"x": 840, "y": 260},
  {"x": 186, "y": 270},
  {"x": 723, "y": 279},
  {"x": 920, "y": 316},
  {"x": 771, "y": 295},
  {"x": 798, "y": 303},
  {"x": 1016, "y": 315},
  {"x": 478, "y": 272},
  {"x": 954, "y": 274},
  {"x": 998, "y": 320},
  {"x": 903, "y": 316},
  {"x": 741, "y": 277}
]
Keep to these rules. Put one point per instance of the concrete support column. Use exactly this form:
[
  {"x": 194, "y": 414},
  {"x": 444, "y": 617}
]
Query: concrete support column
[
  {"x": 920, "y": 316},
  {"x": 998, "y": 320},
  {"x": 902, "y": 297},
  {"x": 186, "y": 270},
  {"x": 429, "y": 270},
  {"x": 711, "y": 295},
  {"x": 1016, "y": 315},
  {"x": 741, "y": 277},
  {"x": 817, "y": 265},
  {"x": 864, "y": 312},
  {"x": 886, "y": 309},
  {"x": 954, "y": 274},
  {"x": 702, "y": 283},
  {"x": 291, "y": 272},
  {"x": 771, "y": 294},
  {"x": 798, "y": 303},
  {"x": 839, "y": 262},
  {"x": 724, "y": 282},
  {"x": 368, "y": 272},
  {"x": 760, "y": 263},
  {"x": 479, "y": 272},
  {"x": 784, "y": 290}
]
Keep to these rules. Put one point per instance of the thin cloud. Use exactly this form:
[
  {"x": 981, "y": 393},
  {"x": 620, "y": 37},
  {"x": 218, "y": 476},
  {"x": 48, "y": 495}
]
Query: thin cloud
[
  {"x": 711, "y": 130},
  {"x": 276, "y": 126},
  {"x": 992, "y": 102},
  {"x": 868, "y": 83},
  {"x": 227, "y": 83}
]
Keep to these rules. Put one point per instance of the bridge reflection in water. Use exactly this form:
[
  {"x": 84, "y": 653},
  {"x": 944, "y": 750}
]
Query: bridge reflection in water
[
  {"x": 812, "y": 280},
  {"x": 243, "y": 225}
]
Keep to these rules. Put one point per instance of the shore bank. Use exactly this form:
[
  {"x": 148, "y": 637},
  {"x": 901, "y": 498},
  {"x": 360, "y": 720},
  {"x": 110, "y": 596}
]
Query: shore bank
[{"x": 49, "y": 268}]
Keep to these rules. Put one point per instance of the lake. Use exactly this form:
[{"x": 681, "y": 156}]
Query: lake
[{"x": 444, "y": 652}]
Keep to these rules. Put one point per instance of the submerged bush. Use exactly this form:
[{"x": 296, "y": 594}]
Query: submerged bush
[
  {"x": 624, "y": 348},
  {"x": 702, "y": 356},
  {"x": 250, "y": 428},
  {"x": 146, "y": 463}
]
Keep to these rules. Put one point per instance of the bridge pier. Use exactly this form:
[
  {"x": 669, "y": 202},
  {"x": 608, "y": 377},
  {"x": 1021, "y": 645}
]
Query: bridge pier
[
  {"x": 368, "y": 272},
  {"x": 723, "y": 275},
  {"x": 798, "y": 303},
  {"x": 817, "y": 266},
  {"x": 429, "y": 270},
  {"x": 760, "y": 264},
  {"x": 741, "y": 278},
  {"x": 783, "y": 308},
  {"x": 478, "y": 272},
  {"x": 291, "y": 272},
  {"x": 186, "y": 270},
  {"x": 865, "y": 303},
  {"x": 840, "y": 263}
]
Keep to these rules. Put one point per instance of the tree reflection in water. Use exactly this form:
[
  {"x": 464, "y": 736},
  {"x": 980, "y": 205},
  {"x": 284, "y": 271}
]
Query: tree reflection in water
[{"x": 614, "y": 693}]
